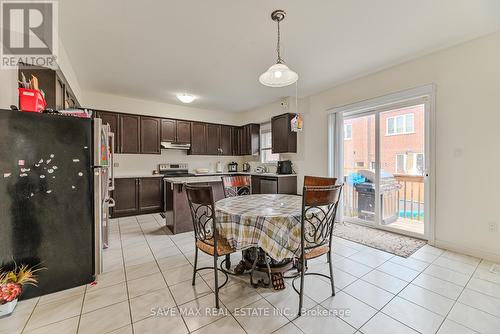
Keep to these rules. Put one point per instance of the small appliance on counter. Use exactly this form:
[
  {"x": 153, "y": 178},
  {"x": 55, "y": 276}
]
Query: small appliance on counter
[
  {"x": 218, "y": 167},
  {"x": 246, "y": 167},
  {"x": 284, "y": 167},
  {"x": 232, "y": 167}
]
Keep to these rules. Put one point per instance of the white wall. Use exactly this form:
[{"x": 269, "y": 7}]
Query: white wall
[
  {"x": 467, "y": 79},
  {"x": 131, "y": 164}
]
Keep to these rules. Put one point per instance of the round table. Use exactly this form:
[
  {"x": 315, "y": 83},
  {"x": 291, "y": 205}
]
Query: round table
[{"x": 270, "y": 222}]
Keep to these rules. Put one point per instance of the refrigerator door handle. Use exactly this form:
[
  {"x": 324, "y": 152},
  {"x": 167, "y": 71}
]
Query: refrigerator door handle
[
  {"x": 98, "y": 217},
  {"x": 112, "y": 161}
]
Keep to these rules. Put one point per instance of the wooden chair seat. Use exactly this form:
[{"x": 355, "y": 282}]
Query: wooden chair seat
[
  {"x": 315, "y": 252},
  {"x": 223, "y": 247}
]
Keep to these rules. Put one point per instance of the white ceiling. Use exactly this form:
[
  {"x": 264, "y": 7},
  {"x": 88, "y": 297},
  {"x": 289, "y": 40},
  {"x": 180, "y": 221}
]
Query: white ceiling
[{"x": 216, "y": 49}]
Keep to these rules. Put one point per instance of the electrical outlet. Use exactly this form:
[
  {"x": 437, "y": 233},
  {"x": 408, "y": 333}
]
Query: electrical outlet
[
  {"x": 116, "y": 164},
  {"x": 493, "y": 227}
]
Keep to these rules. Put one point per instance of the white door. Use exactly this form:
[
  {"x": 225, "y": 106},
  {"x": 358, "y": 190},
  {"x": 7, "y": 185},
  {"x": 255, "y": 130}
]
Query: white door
[{"x": 384, "y": 157}]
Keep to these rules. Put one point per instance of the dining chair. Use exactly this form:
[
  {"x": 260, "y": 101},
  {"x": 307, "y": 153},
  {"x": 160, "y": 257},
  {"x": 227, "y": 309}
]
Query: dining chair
[
  {"x": 207, "y": 239},
  {"x": 236, "y": 185},
  {"x": 319, "y": 208}
]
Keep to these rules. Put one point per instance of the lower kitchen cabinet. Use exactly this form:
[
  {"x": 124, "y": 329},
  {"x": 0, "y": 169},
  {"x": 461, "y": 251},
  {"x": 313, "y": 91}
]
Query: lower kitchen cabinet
[
  {"x": 134, "y": 196},
  {"x": 126, "y": 198},
  {"x": 150, "y": 195}
]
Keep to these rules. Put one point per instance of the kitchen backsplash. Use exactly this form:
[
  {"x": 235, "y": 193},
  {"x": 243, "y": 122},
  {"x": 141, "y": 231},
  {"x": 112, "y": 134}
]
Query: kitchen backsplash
[{"x": 141, "y": 164}]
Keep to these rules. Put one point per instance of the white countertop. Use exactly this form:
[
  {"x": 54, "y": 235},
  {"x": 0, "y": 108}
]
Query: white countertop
[
  {"x": 216, "y": 177},
  {"x": 193, "y": 179},
  {"x": 207, "y": 177},
  {"x": 135, "y": 175},
  {"x": 247, "y": 173}
]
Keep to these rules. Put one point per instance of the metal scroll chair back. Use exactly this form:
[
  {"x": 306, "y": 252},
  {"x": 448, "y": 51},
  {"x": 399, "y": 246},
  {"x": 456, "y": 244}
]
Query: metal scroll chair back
[
  {"x": 238, "y": 185},
  {"x": 201, "y": 204},
  {"x": 319, "y": 208}
]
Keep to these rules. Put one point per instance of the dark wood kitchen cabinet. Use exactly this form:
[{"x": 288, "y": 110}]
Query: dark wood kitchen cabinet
[
  {"x": 113, "y": 120},
  {"x": 183, "y": 132},
  {"x": 213, "y": 139},
  {"x": 248, "y": 139},
  {"x": 198, "y": 138},
  {"x": 135, "y": 196},
  {"x": 58, "y": 93},
  {"x": 168, "y": 130},
  {"x": 176, "y": 131},
  {"x": 150, "y": 135},
  {"x": 226, "y": 140},
  {"x": 130, "y": 134},
  {"x": 284, "y": 140},
  {"x": 150, "y": 194},
  {"x": 126, "y": 198}
]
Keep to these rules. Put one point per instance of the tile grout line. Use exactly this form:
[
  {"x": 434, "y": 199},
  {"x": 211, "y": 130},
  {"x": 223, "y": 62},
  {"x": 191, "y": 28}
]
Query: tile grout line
[
  {"x": 125, "y": 274},
  {"x": 456, "y": 301},
  {"x": 397, "y": 295},
  {"x": 161, "y": 272},
  {"x": 31, "y": 314},
  {"x": 81, "y": 310}
]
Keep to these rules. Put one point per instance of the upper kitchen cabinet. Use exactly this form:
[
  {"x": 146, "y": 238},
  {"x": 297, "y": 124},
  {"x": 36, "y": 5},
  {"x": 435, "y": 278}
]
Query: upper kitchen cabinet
[
  {"x": 168, "y": 130},
  {"x": 249, "y": 139},
  {"x": 213, "y": 139},
  {"x": 58, "y": 93},
  {"x": 226, "y": 140},
  {"x": 175, "y": 131},
  {"x": 284, "y": 140},
  {"x": 130, "y": 134},
  {"x": 183, "y": 132},
  {"x": 113, "y": 120},
  {"x": 150, "y": 135},
  {"x": 198, "y": 138}
]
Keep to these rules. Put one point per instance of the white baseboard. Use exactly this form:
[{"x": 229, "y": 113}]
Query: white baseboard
[{"x": 481, "y": 253}]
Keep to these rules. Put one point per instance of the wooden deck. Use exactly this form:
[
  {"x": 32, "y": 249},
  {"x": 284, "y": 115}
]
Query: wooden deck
[{"x": 410, "y": 225}]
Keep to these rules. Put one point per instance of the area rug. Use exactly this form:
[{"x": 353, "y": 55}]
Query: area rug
[{"x": 387, "y": 241}]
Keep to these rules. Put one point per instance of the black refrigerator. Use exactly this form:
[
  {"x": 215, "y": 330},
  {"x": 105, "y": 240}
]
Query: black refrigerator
[{"x": 46, "y": 198}]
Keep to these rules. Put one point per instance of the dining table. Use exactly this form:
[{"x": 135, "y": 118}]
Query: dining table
[{"x": 267, "y": 223}]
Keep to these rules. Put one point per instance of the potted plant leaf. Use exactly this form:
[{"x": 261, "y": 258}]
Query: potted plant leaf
[{"x": 11, "y": 286}]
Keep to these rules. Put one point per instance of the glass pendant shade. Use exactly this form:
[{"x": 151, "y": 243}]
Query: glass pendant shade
[{"x": 278, "y": 75}]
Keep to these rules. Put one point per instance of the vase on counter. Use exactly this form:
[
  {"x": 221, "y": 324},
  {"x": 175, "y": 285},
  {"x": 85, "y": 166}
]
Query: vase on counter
[{"x": 7, "y": 308}]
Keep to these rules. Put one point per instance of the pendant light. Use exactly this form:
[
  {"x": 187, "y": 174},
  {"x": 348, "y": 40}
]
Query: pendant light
[{"x": 278, "y": 75}]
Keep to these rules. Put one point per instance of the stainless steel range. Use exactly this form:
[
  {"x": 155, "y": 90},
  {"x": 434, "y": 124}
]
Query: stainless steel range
[{"x": 172, "y": 170}]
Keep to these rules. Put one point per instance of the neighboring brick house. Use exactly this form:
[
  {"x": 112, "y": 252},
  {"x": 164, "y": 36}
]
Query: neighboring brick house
[{"x": 402, "y": 141}]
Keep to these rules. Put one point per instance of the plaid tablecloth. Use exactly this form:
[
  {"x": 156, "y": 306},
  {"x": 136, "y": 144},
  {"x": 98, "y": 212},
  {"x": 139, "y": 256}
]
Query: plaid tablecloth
[{"x": 271, "y": 222}]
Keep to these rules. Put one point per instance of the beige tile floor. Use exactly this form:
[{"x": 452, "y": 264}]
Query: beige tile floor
[{"x": 146, "y": 288}]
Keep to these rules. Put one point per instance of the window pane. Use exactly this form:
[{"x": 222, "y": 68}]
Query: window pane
[
  {"x": 400, "y": 124},
  {"x": 409, "y": 123},
  {"x": 420, "y": 163},
  {"x": 390, "y": 125},
  {"x": 266, "y": 140},
  {"x": 347, "y": 131},
  {"x": 268, "y": 156},
  {"x": 400, "y": 163}
]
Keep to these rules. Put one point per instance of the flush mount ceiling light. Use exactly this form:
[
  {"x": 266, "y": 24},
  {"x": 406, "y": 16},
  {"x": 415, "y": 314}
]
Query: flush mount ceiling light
[
  {"x": 186, "y": 98},
  {"x": 278, "y": 75}
]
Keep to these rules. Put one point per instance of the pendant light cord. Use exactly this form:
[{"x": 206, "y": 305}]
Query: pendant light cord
[{"x": 279, "y": 61}]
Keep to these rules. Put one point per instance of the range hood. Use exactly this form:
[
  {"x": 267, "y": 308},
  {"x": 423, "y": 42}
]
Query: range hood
[{"x": 174, "y": 146}]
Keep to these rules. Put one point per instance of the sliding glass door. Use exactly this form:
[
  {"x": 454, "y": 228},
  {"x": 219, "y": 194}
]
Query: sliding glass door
[
  {"x": 384, "y": 163},
  {"x": 358, "y": 157}
]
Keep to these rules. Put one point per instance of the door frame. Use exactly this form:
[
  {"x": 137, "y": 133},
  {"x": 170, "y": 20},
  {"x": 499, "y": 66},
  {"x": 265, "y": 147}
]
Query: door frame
[{"x": 375, "y": 105}]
